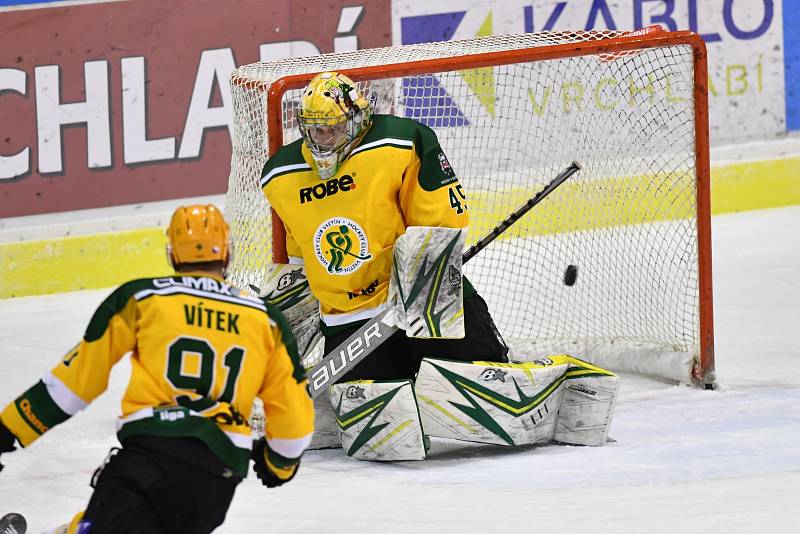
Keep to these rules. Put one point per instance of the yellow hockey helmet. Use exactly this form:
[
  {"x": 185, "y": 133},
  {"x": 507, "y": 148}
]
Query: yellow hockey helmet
[
  {"x": 198, "y": 234},
  {"x": 333, "y": 117}
]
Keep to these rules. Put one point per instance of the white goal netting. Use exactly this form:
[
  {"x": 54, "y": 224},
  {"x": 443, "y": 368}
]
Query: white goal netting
[{"x": 627, "y": 220}]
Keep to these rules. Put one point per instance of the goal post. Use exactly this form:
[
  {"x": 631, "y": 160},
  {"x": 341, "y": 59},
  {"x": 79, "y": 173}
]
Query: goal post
[{"x": 615, "y": 267}]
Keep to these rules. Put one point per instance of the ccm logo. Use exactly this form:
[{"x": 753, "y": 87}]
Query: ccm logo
[{"x": 331, "y": 187}]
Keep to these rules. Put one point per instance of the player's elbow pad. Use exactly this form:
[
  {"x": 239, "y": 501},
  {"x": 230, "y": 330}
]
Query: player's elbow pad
[{"x": 272, "y": 469}]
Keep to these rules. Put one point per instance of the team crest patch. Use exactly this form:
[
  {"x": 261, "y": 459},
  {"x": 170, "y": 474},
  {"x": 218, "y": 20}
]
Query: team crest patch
[
  {"x": 445, "y": 165},
  {"x": 341, "y": 245}
]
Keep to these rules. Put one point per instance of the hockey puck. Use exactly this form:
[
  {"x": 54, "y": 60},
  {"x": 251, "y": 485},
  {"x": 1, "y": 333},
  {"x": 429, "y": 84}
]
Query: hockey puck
[
  {"x": 13, "y": 523},
  {"x": 570, "y": 275}
]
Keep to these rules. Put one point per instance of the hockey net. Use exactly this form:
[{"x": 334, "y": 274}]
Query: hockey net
[{"x": 510, "y": 113}]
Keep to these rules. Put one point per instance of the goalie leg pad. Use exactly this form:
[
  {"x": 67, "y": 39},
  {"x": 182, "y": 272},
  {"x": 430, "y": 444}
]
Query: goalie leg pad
[
  {"x": 490, "y": 402},
  {"x": 588, "y": 405},
  {"x": 326, "y": 430},
  {"x": 286, "y": 287},
  {"x": 257, "y": 421},
  {"x": 378, "y": 420}
]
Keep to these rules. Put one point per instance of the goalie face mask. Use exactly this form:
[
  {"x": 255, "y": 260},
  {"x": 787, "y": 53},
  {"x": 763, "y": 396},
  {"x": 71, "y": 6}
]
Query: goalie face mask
[{"x": 332, "y": 119}]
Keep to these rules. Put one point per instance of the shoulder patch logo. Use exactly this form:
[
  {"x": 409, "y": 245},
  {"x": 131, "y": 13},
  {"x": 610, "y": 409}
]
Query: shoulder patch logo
[
  {"x": 445, "y": 164},
  {"x": 341, "y": 246}
]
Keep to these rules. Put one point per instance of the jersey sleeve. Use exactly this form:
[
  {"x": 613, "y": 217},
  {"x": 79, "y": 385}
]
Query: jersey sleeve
[
  {"x": 288, "y": 409},
  {"x": 431, "y": 194},
  {"x": 81, "y": 375}
]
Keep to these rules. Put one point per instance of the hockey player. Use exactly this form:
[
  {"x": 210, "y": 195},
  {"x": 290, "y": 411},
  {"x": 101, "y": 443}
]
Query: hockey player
[
  {"x": 376, "y": 215},
  {"x": 201, "y": 352},
  {"x": 346, "y": 192}
]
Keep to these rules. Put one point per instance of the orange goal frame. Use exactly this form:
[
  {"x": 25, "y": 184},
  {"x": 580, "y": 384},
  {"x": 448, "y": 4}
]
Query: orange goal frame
[{"x": 703, "y": 371}]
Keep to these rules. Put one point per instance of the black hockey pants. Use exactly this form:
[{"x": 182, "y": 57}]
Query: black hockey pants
[{"x": 160, "y": 485}]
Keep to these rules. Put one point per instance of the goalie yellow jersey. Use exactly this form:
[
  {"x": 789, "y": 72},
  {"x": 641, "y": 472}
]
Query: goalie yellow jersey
[
  {"x": 201, "y": 351},
  {"x": 343, "y": 229}
]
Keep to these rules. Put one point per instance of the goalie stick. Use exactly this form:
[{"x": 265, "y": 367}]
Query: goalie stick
[{"x": 378, "y": 329}]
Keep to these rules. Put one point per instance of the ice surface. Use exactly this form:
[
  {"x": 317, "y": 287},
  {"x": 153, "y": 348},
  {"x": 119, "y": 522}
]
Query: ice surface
[{"x": 685, "y": 460}]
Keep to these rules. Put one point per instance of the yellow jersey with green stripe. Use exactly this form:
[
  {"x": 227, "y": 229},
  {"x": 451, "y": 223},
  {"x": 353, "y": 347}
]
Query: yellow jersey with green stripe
[
  {"x": 201, "y": 352},
  {"x": 343, "y": 229}
]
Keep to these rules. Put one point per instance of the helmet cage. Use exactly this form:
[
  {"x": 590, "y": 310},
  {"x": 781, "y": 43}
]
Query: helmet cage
[
  {"x": 326, "y": 136},
  {"x": 331, "y": 134}
]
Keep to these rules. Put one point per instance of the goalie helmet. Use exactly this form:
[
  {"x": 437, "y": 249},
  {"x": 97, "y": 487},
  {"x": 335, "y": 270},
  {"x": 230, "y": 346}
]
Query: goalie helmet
[
  {"x": 197, "y": 234},
  {"x": 333, "y": 117}
]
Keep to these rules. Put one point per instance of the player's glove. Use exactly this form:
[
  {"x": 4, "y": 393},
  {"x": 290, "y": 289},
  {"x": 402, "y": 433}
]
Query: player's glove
[
  {"x": 264, "y": 464},
  {"x": 7, "y": 440}
]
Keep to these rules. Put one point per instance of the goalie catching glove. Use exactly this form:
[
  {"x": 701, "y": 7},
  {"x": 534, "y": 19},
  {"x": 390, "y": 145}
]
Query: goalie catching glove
[
  {"x": 272, "y": 469},
  {"x": 426, "y": 283}
]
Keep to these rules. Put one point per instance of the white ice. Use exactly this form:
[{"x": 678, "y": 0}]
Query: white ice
[{"x": 685, "y": 459}]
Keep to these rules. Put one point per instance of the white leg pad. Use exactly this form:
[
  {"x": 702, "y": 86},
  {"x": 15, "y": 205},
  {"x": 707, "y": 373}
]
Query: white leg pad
[
  {"x": 257, "y": 420},
  {"x": 326, "y": 431},
  {"x": 378, "y": 421},
  {"x": 487, "y": 402},
  {"x": 587, "y": 409}
]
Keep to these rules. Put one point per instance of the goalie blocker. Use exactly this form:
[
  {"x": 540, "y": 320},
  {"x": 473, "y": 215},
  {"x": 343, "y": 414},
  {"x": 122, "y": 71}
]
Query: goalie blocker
[{"x": 425, "y": 287}]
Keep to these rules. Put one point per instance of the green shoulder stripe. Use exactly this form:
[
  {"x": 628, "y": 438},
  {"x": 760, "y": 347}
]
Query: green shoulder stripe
[
  {"x": 435, "y": 169},
  {"x": 114, "y": 304},
  {"x": 391, "y": 127},
  {"x": 426, "y": 141},
  {"x": 288, "y": 339},
  {"x": 388, "y": 130},
  {"x": 286, "y": 160}
]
